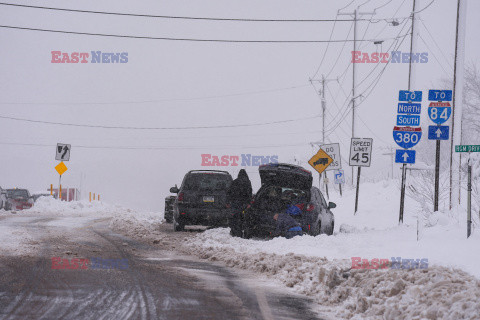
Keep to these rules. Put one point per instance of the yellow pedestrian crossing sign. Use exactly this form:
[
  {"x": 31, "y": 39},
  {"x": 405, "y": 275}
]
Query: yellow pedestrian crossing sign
[{"x": 320, "y": 161}]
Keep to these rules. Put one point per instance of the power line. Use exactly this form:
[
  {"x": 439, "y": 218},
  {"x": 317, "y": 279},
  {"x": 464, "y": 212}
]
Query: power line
[
  {"x": 173, "y": 39},
  {"x": 160, "y": 100},
  {"x": 159, "y": 147},
  {"x": 176, "y": 17},
  {"x": 157, "y": 128}
]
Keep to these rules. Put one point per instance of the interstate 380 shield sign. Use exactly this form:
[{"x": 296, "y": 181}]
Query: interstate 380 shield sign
[{"x": 407, "y": 137}]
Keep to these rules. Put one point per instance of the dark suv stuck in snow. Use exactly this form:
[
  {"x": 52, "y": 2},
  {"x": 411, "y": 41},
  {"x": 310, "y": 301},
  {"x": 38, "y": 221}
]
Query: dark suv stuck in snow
[
  {"x": 201, "y": 199},
  {"x": 284, "y": 185}
]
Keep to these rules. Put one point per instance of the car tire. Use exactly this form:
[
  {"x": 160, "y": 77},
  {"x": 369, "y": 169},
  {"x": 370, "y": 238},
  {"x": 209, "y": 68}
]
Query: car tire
[
  {"x": 330, "y": 229},
  {"x": 178, "y": 226},
  {"x": 316, "y": 230}
]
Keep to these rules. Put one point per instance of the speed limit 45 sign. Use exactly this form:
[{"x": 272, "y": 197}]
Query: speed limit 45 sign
[{"x": 361, "y": 152}]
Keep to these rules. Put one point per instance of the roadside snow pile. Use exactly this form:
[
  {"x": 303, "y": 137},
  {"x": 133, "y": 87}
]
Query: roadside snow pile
[
  {"x": 433, "y": 293},
  {"x": 318, "y": 266},
  {"x": 137, "y": 224},
  {"x": 51, "y": 205}
]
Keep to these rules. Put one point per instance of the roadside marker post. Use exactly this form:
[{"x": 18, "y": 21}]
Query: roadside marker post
[
  {"x": 406, "y": 136},
  {"x": 90, "y": 197},
  {"x": 439, "y": 112},
  {"x": 62, "y": 153},
  {"x": 469, "y": 149},
  {"x": 360, "y": 156}
]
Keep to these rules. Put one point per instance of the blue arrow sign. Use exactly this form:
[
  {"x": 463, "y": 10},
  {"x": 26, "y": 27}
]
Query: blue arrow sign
[
  {"x": 439, "y": 115},
  {"x": 438, "y": 132},
  {"x": 414, "y": 96},
  {"x": 339, "y": 177},
  {"x": 405, "y": 156},
  {"x": 440, "y": 95},
  {"x": 407, "y": 137},
  {"x": 409, "y": 108},
  {"x": 408, "y": 120}
]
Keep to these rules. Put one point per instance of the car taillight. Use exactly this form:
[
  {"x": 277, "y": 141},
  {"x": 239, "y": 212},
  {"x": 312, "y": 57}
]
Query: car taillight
[
  {"x": 300, "y": 206},
  {"x": 183, "y": 213},
  {"x": 180, "y": 196},
  {"x": 310, "y": 207}
]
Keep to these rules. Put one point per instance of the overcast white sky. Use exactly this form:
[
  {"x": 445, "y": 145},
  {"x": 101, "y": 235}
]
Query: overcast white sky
[{"x": 163, "y": 81}]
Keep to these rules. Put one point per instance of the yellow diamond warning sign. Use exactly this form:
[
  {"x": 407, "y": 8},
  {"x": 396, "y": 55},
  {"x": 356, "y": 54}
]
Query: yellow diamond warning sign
[
  {"x": 320, "y": 161},
  {"x": 61, "y": 168}
]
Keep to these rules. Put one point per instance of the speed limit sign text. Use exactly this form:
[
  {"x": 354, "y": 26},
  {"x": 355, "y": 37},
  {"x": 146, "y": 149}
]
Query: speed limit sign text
[{"x": 361, "y": 152}]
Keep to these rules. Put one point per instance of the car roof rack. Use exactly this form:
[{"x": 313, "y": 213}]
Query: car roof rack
[{"x": 200, "y": 171}]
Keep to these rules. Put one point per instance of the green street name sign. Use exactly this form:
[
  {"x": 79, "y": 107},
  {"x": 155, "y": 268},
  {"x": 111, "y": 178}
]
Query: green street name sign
[{"x": 467, "y": 148}]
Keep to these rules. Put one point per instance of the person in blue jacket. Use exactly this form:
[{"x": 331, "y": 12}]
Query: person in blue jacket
[{"x": 286, "y": 224}]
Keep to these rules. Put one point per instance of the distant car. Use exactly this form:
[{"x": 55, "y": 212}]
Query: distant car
[
  {"x": 201, "y": 199},
  {"x": 3, "y": 198},
  {"x": 168, "y": 214},
  {"x": 284, "y": 185},
  {"x": 19, "y": 199}
]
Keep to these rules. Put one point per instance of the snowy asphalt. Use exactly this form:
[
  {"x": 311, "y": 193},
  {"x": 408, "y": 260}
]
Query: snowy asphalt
[{"x": 159, "y": 282}]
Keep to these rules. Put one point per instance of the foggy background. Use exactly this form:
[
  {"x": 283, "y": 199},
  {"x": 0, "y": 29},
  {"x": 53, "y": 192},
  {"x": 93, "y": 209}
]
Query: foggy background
[{"x": 181, "y": 84}]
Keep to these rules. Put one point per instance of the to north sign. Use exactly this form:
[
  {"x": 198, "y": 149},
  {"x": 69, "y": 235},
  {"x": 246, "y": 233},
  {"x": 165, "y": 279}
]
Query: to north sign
[
  {"x": 413, "y": 96},
  {"x": 407, "y": 137},
  {"x": 409, "y": 108}
]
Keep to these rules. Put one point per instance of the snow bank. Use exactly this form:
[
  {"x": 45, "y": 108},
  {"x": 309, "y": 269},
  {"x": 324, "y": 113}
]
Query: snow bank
[
  {"x": 137, "y": 224},
  {"x": 51, "y": 205},
  {"x": 319, "y": 266}
]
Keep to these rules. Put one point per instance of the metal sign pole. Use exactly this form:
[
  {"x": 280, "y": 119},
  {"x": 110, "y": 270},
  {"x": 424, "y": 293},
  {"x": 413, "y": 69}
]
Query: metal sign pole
[
  {"x": 325, "y": 179},
  {"x": 60, "y": 188},
  {"x": 358, "y": 187},
  {"x": 437, "y": 176},
  {"x": 402, "y": 194},
  {"x": 340, "y": 186},
  {"x": 469, "y": 204}
]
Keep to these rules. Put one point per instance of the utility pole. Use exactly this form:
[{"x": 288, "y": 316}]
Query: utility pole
[
  {"x": 323, "y": 81},
  {"x": 404, "y": 171},
  {"x": 392, "y": 156},
  {"x": 457, "y": 110},
  {"x": 355, "y": 15}
]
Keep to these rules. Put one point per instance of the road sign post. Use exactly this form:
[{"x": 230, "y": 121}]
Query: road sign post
[
  {"x": 406, "y": 136},
  {"x": 333, "y": 151},
  {"x": 469, "y": 149},
  {"x": 439, "y": 112},
  {"x": 360, "y": 156},
  {"x": 339, "y": 179}
]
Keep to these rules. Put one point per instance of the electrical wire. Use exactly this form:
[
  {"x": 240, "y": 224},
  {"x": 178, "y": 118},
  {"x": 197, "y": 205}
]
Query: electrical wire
[
  {"x": 173, "y": 39},
  {"x": 436, "y": 44},
  {"x": 156, "y": 128},
  {"x": 173, "y": 17},
  {"x": 160, "y": 100},
  {"x": 159, "y": 147}
]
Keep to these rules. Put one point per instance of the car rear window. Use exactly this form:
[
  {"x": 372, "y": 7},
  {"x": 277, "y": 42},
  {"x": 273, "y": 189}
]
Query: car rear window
[
  {"x": 207, "y": 181},
  {"x": 14, "y": 193}
]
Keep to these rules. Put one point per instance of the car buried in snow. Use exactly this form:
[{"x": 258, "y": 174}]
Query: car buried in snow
[
  {"x": 18, "y": 199},
  {"x": 201, "y": 199},
  {"x": 284, "y": 185}
]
